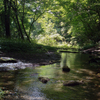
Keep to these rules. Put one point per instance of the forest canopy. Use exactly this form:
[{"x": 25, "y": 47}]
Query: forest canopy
[{"x": 69, "y": 22}]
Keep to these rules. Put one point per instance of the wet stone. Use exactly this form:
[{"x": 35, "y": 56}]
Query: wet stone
[
  {"x": 14, "y": 66},
  {"x": 43, "y": 79},
  {"x": 7, "y": 60},
  {"x": 65, "y": 69},
  {"x": 72, "y": 83}
]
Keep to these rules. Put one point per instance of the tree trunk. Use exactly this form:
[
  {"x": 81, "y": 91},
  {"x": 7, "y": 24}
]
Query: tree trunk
[
  {"x": 14, "y": 7},
  {"x": 19, "y": 27},
  {"x": 7, "y": 18},
  {"x": 22, "y": 20}
]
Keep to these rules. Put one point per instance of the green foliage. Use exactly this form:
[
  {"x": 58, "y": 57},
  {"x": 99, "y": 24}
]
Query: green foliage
[
  {"x": 1, "y": 94},
  {"x": 17, "y": 19},
  {"x": 87, "y": 46},
  {"x": 51, "y": 40},
  {"x": 47, "y": 40},
  {"x": 15, "y": 45},
  {"x": 77, "y": 21},
  {"x": 82, "y": 18},
  {"x": 10, "y": 45}
]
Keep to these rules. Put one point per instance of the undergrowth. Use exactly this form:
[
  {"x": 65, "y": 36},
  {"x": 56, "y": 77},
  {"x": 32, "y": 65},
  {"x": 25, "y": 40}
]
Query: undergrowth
[
  {"x": 12, "y": 45},
  {"x": 1, "y": 94}
]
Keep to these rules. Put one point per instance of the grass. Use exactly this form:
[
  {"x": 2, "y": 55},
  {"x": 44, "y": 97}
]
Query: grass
[
  {"x": 23, "y": 46},
  {"x": 12, "y": 45}
]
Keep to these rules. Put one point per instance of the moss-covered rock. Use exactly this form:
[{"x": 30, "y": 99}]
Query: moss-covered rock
[
  {"x": 7, "y": 60},
  {"x": 43, "y": 79}
]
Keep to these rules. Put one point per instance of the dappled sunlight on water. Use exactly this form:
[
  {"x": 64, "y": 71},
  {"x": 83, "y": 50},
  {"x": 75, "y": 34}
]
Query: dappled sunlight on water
[{"x": 26, "y": 86}]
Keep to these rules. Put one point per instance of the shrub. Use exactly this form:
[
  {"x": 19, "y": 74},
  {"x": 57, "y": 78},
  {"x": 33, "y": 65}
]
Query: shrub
[
  {"x": 51, "y": 40},
  {"x": 1, "y": 94},
  {"x": 15, "y": 45}
]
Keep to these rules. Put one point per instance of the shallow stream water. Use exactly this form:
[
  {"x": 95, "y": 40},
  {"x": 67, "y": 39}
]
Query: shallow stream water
[{"x": 23, "y": 84}]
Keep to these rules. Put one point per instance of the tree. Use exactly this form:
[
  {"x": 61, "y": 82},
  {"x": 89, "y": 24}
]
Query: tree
[
  {"x": 20, "y": 15},
  {"x": 7, "y": 9},
  {"x": 81, "y": 18}
]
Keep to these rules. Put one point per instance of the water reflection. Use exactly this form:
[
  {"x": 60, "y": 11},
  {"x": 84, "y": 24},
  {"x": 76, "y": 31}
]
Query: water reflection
[
  {"x": 63, "y": 63},
  {"x": 26, "y": 86}
]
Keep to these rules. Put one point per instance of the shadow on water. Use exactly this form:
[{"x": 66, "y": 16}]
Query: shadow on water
[{"x": 24, "y": 84}]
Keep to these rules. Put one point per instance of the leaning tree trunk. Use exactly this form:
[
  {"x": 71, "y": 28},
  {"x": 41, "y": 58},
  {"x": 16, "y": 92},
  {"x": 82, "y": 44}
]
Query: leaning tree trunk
[
  {"x": 22, "y": 21},
  {"x": 14, "y": 7},
  {"x": 64, "y": 66},
  {"x": 19, "y": 27}
]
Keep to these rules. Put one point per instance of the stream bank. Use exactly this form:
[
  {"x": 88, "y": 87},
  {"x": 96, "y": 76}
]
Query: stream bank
[
  {"x": 46, "y": 82},
  {"x": 23, "y": 60}
]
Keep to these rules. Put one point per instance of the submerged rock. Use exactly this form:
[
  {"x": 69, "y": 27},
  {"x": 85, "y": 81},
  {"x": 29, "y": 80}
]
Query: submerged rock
[
  {"x": 43, "y": 79},
  {"x": 72, "y": 83},
  {"x": 7, "y": 60},
  {"x": 65, "y": 69}
]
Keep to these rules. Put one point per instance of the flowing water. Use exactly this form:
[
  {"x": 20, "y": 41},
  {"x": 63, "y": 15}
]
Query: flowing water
[{"x": 24, "y": 84}]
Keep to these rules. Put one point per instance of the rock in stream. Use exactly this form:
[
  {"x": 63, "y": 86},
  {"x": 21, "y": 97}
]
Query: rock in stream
[{"x": 7, "y": 64}]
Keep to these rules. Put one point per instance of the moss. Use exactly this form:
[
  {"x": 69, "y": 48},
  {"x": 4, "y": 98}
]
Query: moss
[{"x": 7, "y": 60}]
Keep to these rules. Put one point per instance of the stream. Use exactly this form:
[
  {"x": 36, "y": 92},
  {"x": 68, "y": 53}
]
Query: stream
[{"x": 23, "y": 84}]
